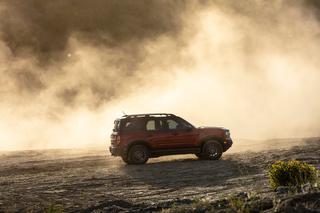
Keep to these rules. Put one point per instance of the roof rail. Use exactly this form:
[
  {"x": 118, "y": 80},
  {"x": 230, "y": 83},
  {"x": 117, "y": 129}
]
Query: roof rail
[{"x": 149, "y": 115}]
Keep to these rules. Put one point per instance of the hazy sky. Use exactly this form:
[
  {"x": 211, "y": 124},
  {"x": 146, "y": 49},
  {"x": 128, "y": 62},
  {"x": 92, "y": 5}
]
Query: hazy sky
[{"x": 68, "y": 68}]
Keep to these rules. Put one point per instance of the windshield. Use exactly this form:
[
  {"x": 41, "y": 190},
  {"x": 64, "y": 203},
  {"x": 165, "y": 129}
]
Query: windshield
[{"x": 185, "y": 123}]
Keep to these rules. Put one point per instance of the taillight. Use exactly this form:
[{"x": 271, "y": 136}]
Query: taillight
[
  {"x": 118, "y": 139},
  {"x": 115, "y": 139},
  {"x": 227, "y": 134}
]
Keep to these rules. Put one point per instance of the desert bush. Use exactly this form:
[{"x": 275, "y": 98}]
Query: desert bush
[{"x": 292, "y": 174}]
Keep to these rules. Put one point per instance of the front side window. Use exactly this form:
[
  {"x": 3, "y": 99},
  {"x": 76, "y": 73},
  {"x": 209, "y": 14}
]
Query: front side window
[{"x": 172, "y": 124}]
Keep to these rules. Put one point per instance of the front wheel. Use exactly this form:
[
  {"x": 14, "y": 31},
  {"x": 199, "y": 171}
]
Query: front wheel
[
  {"x": 211, "y": 150},
  {"x": 138, "y": 154}
]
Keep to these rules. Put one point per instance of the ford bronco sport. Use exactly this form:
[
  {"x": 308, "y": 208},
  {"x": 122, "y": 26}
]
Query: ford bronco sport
[{"x": 136, "y": 138}]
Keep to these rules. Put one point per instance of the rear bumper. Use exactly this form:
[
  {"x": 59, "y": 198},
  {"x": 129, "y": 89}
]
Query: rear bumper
[
  {"x": 114, "y": 151},
  {"x": 227, "y": 144}
]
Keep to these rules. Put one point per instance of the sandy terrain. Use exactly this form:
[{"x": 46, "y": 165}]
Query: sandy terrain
[{"x": 92, "y": 180}]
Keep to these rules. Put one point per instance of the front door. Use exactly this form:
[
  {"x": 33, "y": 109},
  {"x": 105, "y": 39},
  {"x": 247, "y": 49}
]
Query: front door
[
  {"x": 170, "y": 133},
  {"x": 179, "y": 135}
]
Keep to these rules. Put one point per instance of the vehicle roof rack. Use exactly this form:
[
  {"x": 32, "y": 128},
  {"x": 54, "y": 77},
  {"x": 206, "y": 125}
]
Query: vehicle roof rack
[{"x": 149, "y": 115}]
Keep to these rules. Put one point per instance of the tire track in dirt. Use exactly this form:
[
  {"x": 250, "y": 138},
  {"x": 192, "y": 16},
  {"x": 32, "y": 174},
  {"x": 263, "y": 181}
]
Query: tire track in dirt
[{"x": 81, "y": 180}]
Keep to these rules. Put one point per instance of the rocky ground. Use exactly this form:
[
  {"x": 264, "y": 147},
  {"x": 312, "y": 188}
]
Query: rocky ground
[{"x": 93, "y": 181}]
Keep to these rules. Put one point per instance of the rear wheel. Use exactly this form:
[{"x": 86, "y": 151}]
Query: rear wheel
[
  {"x": 138, "y": 154},
  {"x": 199, "y": 155},
  {"x": 211, "y": 150}
]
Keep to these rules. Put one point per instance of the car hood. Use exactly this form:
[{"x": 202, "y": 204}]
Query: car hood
[
  {"x": 211, "y": 131},
  {"x": 211, "y": 128}
]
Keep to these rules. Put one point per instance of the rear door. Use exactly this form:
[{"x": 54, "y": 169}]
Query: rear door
[{"x": 157, "y": 138}]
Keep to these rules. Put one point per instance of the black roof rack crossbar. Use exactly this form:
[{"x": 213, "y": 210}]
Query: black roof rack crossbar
[{"x": 148, "y": 115}]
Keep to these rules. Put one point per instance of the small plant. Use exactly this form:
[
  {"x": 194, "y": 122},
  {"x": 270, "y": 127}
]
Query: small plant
[
  {"x": 242, "y": 203},
  {"x": 53, "y": 208},
  {"x": 201, "y": 205},
  {"x": 198, "y": 205},
  {"x": 237, "y": 204},
  {"x": 293, "y": 174}
]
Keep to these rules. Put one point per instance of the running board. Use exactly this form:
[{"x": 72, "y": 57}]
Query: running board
[{"x": 160, "y": 152}]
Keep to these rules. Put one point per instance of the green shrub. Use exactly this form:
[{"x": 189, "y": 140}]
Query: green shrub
[{"x": 292, "y": 174}]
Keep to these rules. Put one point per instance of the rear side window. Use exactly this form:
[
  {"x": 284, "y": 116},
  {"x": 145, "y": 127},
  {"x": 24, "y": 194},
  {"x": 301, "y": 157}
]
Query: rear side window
[{"x": 151, "y": 125}]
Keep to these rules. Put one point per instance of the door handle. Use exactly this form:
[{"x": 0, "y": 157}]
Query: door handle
[{"x": 175, "y": 133}]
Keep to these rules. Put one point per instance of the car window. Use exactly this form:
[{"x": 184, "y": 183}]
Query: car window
[
  {"x": 184, "y": 124},
  {"x": 151, "y": 125},
  {"x": 116, "y": 126},
  {"x": 172, "y": 124},
  {"x": 133, "y": 125}
]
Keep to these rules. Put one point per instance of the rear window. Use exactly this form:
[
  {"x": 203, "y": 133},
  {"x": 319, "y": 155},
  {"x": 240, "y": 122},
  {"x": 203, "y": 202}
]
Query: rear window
[
  {"x": 133, "y": 124},
  {"x": 116, "y": 126}
]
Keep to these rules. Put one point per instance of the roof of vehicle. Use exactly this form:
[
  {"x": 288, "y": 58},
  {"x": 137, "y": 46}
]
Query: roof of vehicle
[{"x": 149, "y": 115}]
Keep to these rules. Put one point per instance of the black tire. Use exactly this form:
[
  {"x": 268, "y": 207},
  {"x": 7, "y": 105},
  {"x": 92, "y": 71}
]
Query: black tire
[
  {"x": 199, "y": 156},
  {"x": 138, "y": 154},
  {"x": 211, "y": 150}
]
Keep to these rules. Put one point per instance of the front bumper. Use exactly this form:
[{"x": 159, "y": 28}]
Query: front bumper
[{"x": 227, "y": 144}]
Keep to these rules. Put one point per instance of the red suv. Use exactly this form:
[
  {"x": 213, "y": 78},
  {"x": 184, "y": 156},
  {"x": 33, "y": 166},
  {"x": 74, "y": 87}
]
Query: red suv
[{"x": 136, "y": 138}]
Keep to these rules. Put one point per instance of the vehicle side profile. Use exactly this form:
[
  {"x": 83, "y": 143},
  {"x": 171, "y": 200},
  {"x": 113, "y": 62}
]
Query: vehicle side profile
[{"x": 136, "y": 138}]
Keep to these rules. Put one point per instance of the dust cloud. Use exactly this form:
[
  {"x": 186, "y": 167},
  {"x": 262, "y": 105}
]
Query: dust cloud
[{"x": 68, "y": 68}]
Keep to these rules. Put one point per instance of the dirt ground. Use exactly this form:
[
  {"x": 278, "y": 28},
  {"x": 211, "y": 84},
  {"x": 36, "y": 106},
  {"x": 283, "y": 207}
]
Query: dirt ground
[{"x": 90, "y": 180}]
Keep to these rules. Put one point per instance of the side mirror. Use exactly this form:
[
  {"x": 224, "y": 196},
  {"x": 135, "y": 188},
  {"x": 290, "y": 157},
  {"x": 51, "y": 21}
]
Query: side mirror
[{"x": 189, "y": 129}]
